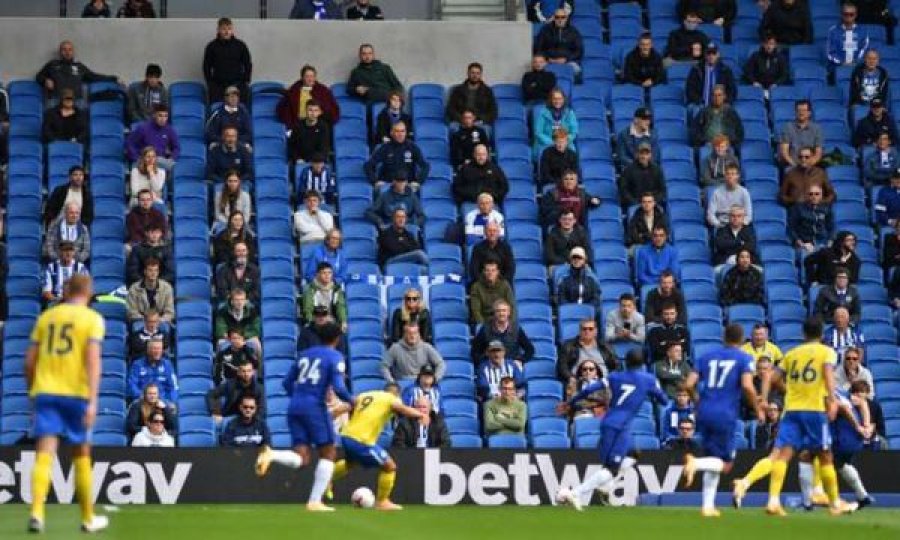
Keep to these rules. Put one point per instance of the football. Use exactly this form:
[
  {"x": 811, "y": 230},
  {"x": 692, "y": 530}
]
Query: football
[{"x": 363, "y": 498}]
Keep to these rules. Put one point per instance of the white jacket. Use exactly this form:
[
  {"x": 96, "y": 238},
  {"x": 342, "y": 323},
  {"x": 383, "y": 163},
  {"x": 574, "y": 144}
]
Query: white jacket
[
  {"x": 145, "y": 438},
  {"x": 312, "y": 228},
  {"x": 154, "y": 183}
]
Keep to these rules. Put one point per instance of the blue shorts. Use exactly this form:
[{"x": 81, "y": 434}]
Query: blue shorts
[
  {"x": 311, "y": 428},
  {"x": 615, "y": 444},
  {"x": 804, "y": 430},
  {"x": 62, "y": 416},
  {"x": 718, "y": 438},
  {"x": 363, "y": 454}
]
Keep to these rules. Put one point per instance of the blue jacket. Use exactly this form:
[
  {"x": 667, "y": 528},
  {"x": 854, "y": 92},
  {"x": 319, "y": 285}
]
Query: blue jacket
[
  {"x": 545, "y": 125},
  {"x": 382, "y": 210},
  {"x": 487, "y": 378},
  {"x": 220, "y": 119},
  {"x": 392, "y": 156},
  {"x": 337, "y": 260},
  {"x": 835, "y": 50},
  {"x": 878, "y": 172},
  {"x": 628, "y": 143},
  {"x": 143, "y": 373},
  {"x": 887, "y": 205},
  {"x": 237, "y": 433},
  {"x": 812, "y": 224},
  {"x": 651, "y": 262},
  {"x": 220, "y": 160}
]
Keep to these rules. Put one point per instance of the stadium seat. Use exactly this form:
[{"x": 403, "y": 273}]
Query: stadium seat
[{"x": 507, "y": 441}]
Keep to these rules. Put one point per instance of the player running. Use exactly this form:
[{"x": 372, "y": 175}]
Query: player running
[
  {"x": 628, "y": 390},
  {"x": 317, "y": 369},
  {"x": 723, "y": 374},
  {"x": 62, "y": 366}
]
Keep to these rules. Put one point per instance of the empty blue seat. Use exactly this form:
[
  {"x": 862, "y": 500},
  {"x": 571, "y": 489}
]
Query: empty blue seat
[{"x": 506, "y": 441}]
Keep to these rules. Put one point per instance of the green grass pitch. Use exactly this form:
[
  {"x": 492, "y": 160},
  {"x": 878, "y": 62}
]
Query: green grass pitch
[{"x": 195, "y": 522}]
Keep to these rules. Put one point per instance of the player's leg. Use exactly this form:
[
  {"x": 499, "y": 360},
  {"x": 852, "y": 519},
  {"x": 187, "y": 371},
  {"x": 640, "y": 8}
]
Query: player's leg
[
  {"x": 386, "y": 479},
  {"x": 614, "y": 445},
  {"x": 322, "y": 478},
  {"x": 818, "y": 496},
  {"x": 830, "y": 483},
  {"x": 843, "y": 462},
  {"x": 40, "y": 480},
  {"x": 776, "y": 480},
  {"x": 292, "y": 459},
  {"x": 81, "y": 460},
  {"x": 806, "y": 476},
  {"x": 719, "y": 446},
  {"x": 760, "y": 470}
]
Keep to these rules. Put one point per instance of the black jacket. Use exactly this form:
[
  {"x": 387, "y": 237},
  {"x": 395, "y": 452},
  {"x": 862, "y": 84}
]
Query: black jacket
[
  {"x": 553, "y": 163},
  {"x": 515, "y": 340},
  {"x": 225, "y": 399},
  {"x": 307, "y": 140},
  {"x": 767, "y": 69},
  {"x": 227, "y": 61},
  {"x": 59, "y": 128},
  {"x": 393, "y": 242},
  {"x": 69, "y": 75},
  {"x": 536, "y": 85},
  {"x": 727, "y": 243},
  {"x": 137, "y": 342},
  {"x": 474, "y": 179},
  {"x": 791, "y": 26},
  {"x": 463, "y": 143},
  {"x": 557, "y": 246},
  {"x": 693, "y": 90},
  {"x": 57, "y": 200},
  {"x": 821, "y": 265},
  {"x": 578, "y": 287},
  {"x": 868, "y": 129},
  {"x": 638, "y": 233},
  {"x": 226, "y": 363},
  {"x": 134, "y": 422},
  {"x": 485, "y": 105},
  {"x": 422, "y": 317},
  {"x": 741, "y": 287},
  {"x": 406, "y": 435},
  {"x": 681, "y": 41},
  {"x": 569, "y": 354},
  {"x": 237, "y": 433},
  {"x": 708, "y": 10},
  {"x": 654, "y": 303},
  {"x": 391, "y": 157},
  {"x": 226, "y": 280},
  {"x": 134, "y": 270},
  {"x": 659, "y": 336},
  {"x": 829, "y": 300},
  {"x": 373, "y": 13},
  {"x": 501, "y": 252},
  {"x": 384, "y": 123},
  {"x": 860, "y": 95},
  {"x": 637, "y": 180},
  {"x": 563, "y": 42},
  {"x": 638, "y": 68}
]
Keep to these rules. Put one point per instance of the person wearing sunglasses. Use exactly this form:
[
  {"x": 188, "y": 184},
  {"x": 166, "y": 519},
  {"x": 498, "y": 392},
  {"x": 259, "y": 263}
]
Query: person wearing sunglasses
[
  {"x": 154, "y": 433},
  {"x": 560, "y": 41},
  {"x": 248, "y": 428},
  {"x": 799, "y": 179},
  {"x": 588, "y": 373},
  {"x": 847, "y": 42},
  {"x": 586, "y": 346},
  {"x": 412, "y": 309}
]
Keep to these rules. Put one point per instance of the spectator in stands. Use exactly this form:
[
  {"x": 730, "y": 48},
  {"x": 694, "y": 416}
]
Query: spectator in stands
[
  {"x": 493, "y": 248},
  {"x": 154, "y": 367},
  {"x": 847, "y": 42},
  {"x": 140, "y": 411},
  {"x": 637, "y": 133},
  {"x": 318, "y": 176},
  {"x": 507, "y": 413},
  {"x": 332, "y": 252},
  {"x": 765, "y": 433},
  {"x": 712, "y": 167},
  {"x": 821, "y": 265},
  {"x": 560, "y": 42},
  {"x": 400, "y": 195},
  {"x": 759, "y": 346},
  {"x": 839, "y": 294},
  {"x": 567, "y": 235},
  {"x": 685, "y": 441},
  {"x": 144, "y": 96},
  {"x": 153, "y": 247},
  {"x": 65, "y": 73},
  {"x": 232, "y": 113},
  {"x": 687, "y": 42},
  {"x": 578, "y": 285},
  {"x": 142, "y": 217},
  {"x": 798, "y": 180},
  {"x": 743, "y": 283},
  {"x": 238, "y": 272},
  {"x": 238, "y": 312},
  {"x": 717, "y": 12},
  {"x": 485, "y": 292},
  {"x": 65, "y": 122},
  {"x": 480, "y": 175},
  {"x": 843, "y": 336},
  {"x": 77, "y": 190},
  {"x": 894, "y": 286},
  {"x": 669, "y": 331},
  {"x": 311, "y": 222},
  {"x": 881, "y": 164},
  {"x": 645, "y": 217},
  {"x": 371, "y": 79},
  {"x": 643, "y": 65},
  {"x": 412, "y": 433},
  {"x": 789, "y": 21},
  {"x": 587, "y": 372},
  {"x": 799, "y": 134},
  {"x": 158, "y": 133},
  {"x": 151, "y": 292},
  {"x": 862, "y": 390},
  {"x": 869, "y": 81},
  {"x": 58, "y": 272},
  {"x": 392, "y": 113},
  {"x": 237, "y": 231},
  {"x": 406, "y": 358},
  {"x": 96, "y": 9},
  {"x": 811, "y": 223},
  {"x": 4, "y": 126},
  {"x": 291, "y": 109},
  {"x": 681, "y": 407},
  {"x": 226, "y": 62},
  {"x": 146, "y": 175},
  {"x": 768, "y": 67},
  {"x": 397, "y": 244},
  {"x": 412, "y": 310},
  {"x": 364, "y": 10},
  {"x": 474, "y": 95},
  {"x": 653, "y": 258},
  {"x": 501, "y": 326},
  {"x": 734, "y": 236},
  {"x": 247, "y": 430},
  {"x": 852, "y": 370},
  {"x": 309, "y": 334},
  {"x": 706, "y": 76},
  {"x": 583, "y": 348},
  {"x": 871, "y": 126},
  {"x": 397, "y": 154},
  {"x": 228, "y": 361},
  {"x": 4, "y": 272},
  {"x": 554, "y": 115},
  {"x": 318, "y": 10},
  {"x": 136, "y": 9},
  {"x": 493, "y": 369},
  {"x": 719, "y": 118},
  {"x": 154, "y": 433},
  {"x": 665, "y": 292},
  {"x": 537, "y": 83},
  {"x": 324, "y": 291},
  {"x": 68, "y": 227},
  {"x": 535, "y": 12},
  {"x": 625, "y": 324},
  {"x": 887, "y": 206},
  {"x": 642, "y": 176},
  {"x": 225, "y": 399},
  {"x": 465, "y": 139},
  {"x": 725, "y": 197},
  {"x": 479, "y": 216},
  {"x": 229, "y": 198},
  {"x": 557, "y": 159},
  {"x": 152, "y": 328},
  {"x": 310, "y": 136}
]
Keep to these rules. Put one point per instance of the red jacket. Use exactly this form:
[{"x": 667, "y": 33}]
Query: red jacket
[{"x": 287, "y": 107}]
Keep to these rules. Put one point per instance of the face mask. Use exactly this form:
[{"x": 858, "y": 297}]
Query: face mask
[{"x": 240, "y": 261}]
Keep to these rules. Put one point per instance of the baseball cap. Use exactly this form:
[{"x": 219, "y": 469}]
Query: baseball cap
[
  {"x": 426, "y": 370},
  {"x": 496, "y": 345},
  {"x": 876, "y": 102},
  {"x": 643, "y": 112},
  {"x": 712, "y": 47},
  {"x": 320, "y": 310},
  {"x": 577, "y": 251}
]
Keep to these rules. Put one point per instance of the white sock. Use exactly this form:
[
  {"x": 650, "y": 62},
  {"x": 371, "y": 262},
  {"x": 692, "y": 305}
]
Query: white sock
[
  {"x": 710, "y": 487},
  {"x": 627, "y": 463},
  {"x": 322, "y": 477},
  {"x": 709, "y": 464},
  {"x": 806, "y": 482},
  {"x": 288, "y": 458},
  {"x": 593, "y": 482},
  {"x": 851, "y": 476}
]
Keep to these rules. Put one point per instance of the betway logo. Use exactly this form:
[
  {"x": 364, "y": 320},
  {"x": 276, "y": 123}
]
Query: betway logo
[
  {"x": 127, "y": 485},
  {"x": 490, "y": 483}
]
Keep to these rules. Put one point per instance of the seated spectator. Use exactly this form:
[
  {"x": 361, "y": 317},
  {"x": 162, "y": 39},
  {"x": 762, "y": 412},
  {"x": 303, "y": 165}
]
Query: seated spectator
[
  {"x": 65, "y": 73},
  {"x": 727, "y": 196},
  {"x": 310, "y": 334},
  {"x": 406, "y": 358},
  {"x": 399, "y": 196},
  {"x": 496, "y": 367},
  {"x": 424, "y": 387},
  {"x": 643, "y": 65},
  {"x": 465, "y": 139},
  {"x": 887, "y": 206},
  {"x": 65, "y": 122},
  {"x": 398, "y": 154},
  {"x": 625, "y": 324},
  {"x": 567, "y": 196},
  {"x": 535, "y": 12},
  {"x": 318, "y": 176},
  {"x": 563, "y": 238},
  {"x": 765, "y": 433},
  {"x": 587, "y": 372},
  {"x": 719, "y": 13},
  {"x": 507, "y": 413},
  {"x": 144, "y": 96},
  {"x": 137, "y": 9},
  {"x": 371, "y": 79},
  {"x": 226, "y": 62},
  {"x": 642, "y": 176},
  {"x": 146, "y": 175},
  {"x": 883, "y": 162},
  {"x": 474, "y": 95},
  {"x": 291, "y": 108},
  {"x": 480, "y": 175},
  {"x": 799, "y": 134},
  {"x": 743, "y": 283},
  {"x": 811, "y": 224},
  {"x": 412, "y": 310},
  {"x": 58, "y": 272},
  {"x": 230, "y": 198},
  {"x": 97, "y": 9},
  {"x": 68, "y": 227},
  {"x": 841, "y": 293},
  {"x": 478, "y": 217},
  {"x": 851, "y": 370},
  {"x": 789, "y": 21},
  {"x": 414, "y": 433},
  {"x": 332, "y": 252},
  {"x": 799, "y": 179},
  {"x": 225, "y": 399},
  {"x": 712, "y": 168},
  {"x": 229, "y": 360},
  {"x": 661, "y": 335},
  {"x": 869, "y": 81},
  {"x": 686, "y": 43},
  {"x": 237, "y": 231},
  {"x": 581, "y": 349},
  {"x": 821, "y": 265},
  {"x": 484, "y": 293},
  {"x": 364, "y": 10},
  {"x": 236, "y": 273},
  {"x": 232, "y": 113},
  {"x": 847, "y": 42},
  {"x": 154, "y": 367},
  {"x": 154, "y": 433},
  {"x": 229, "y": 155},
  {"x": 140, "y": 411},
  {"x": 638, "y": 132},
  {"x": 158, "y": 133},
  {"x": 705, "y": 77},
  {"x": 647, "y": 216},
  {"x": 554, "y": 115},
  {"x": 77, "y": 190},
  {"x": 556, "y": 159},
  {"x": 876, "y": 122},
  {"x": 247, "y": 430},
  {"x": 684, "y": 441},
  {"x": 396, "y": 244},
  {"x": 768, "y": 67},
  {"x": 240, "y": 314},
  {"x": 560, "y": 42},
  {"x": 324, "y": 291},
  {"x": 501, "y": 326},
  {"x": 578, "y": 286},
  {"x": 310, "y": 136},
  {"x": 153, "y": 247},
  {"x": 666, "y": 292},
  {"x": 318, "y": 10},
  {"x": 311, "y": 222},
  {"x": 151, "y": 292},
  {"x": 862, "y": 391},
  {"x": 151, "y": 328},
  {"x": 733, "y": 237},
  {"x": 843, "y": 336},
  {"x": 142, "y": 217},
  {"x": 391, "y": 114},
  {"x": 537, "y": 83},
  {"x": 654, "y": 258},
  {"x": 759, "y": 346},
  {"x": 718, "y": 118},
  {"x": 493, "y": 248},
  {"x": 681, "y": 407}
]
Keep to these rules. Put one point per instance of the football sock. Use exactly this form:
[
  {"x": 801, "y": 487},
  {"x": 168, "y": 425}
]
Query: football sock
[
  {"x": 709, "y": 464},
  {"x": 830, "y": 483},
  {"x": 851, "y": 476},
  {"x": 288, "y": 458},
  {"x": 806, "y": 475},
  {"x": 817, "y": 477},
  {"x": 340, "y": 470},
  {"x": 760, "y": 470},
  {"x": 322, "y": 477},
  {"x": 385, "y": 485},
  {"x": 40, "y": 483},
  {"x": 627, "y": 463},
  {"x": 84, "y": 487},
  {"x": 710, "y": 486},
  {"x": 776, "y": 482},
  {"x": 584, "y": 490}
]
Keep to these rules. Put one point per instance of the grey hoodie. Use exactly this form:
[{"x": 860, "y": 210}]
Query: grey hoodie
[{"x": 403, "y": 361}]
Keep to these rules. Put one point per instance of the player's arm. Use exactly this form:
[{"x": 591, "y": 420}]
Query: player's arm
[
  {"x": 750, "y": 393},
  {"x": 399, "y": 408},
  {"x": 337, "y": 384},
  {"x": 30, "y": 363},
  {"x": 691, "y": 384},
  {"x": 657, "y": 395},
  {"x": 92, "y": 368},
  {"x": 830, "y": 385}
]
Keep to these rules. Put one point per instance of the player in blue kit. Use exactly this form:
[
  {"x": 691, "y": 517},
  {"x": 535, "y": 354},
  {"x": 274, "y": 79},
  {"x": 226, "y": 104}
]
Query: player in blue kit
[
  {"x": 627, "y": 392},
  {"x": 317, "y": 369},
  {"x": 721, "y": 375},
  {"x": 848, "y": 432}
]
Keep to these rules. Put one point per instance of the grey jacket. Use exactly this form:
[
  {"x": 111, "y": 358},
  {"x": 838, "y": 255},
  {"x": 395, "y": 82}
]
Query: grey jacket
[
  {"x": 402, "y": 361},
  {"x": 139, "y": 106},
  {"x": 615, "y": 323},
  {"x": 137, "y": 302}
]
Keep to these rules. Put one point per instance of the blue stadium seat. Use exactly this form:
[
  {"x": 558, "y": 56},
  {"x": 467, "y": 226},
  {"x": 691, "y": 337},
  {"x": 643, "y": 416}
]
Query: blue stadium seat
[{"x": 507, "y": 441}]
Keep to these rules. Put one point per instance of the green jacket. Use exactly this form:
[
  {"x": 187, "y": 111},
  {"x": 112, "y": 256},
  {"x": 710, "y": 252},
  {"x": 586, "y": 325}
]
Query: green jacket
[
  {"x": 376, "y": 76},
  {"x": 483, "y": 295},
  {"x": 249, "y": 322},
  {"x": 505, "y": 417},
  {"x": 316, "y": 294}
]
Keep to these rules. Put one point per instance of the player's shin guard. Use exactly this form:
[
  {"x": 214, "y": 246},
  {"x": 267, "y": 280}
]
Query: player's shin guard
[
  {"x": 830, "y": 483},
  {"x": 709, "y": 464},
  {"x": 851, "y": 476},
  {"x": 324, "y": 469},
  {"x": 776, "y": 481},
  {"x": 385, "y": 485},
  {"x": 760, "y": 470},
  {"x": 84, "y": 487},
  {"x": 818, "y": 491},
  {"x": 595, "y": 481},
  {"x": 40, "y": 483},
  {"x": 287, "y": 458},
  {"x": 710, "y": 487},
  {"x": 807, "y": 480},
  {"x": 340, "y": 470}
]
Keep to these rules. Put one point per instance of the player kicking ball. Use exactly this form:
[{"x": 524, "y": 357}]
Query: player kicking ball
[
  {"x": 628, "y": 390},
  {"x": 307, "y": 382}
]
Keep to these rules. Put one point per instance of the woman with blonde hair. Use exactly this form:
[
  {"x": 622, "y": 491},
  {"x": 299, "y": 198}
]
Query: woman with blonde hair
[
  {"x": 413, "y": 310},
  {"x": 146, "y": 174}
]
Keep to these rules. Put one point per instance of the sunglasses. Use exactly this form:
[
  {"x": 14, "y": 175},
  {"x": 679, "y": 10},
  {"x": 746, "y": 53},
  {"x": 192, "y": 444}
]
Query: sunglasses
[
  {"x": 814, "y": 193},
  {"x": 412, "y": 299},
  {"x": 589, "y": 369},
  {"x": 156, "y": 421}
]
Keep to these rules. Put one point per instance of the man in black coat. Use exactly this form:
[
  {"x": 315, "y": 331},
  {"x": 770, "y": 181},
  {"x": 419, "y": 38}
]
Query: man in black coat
[
  {"x": 686, "y": 43},
  {"x": 870, "y": 127},
  {"x": 226, "y": 62},
  {"x": 642, "y": 176},
  {"x": 224, "y": 400},
  {"x": 493, "y": 248},
  {"x": 733, "y": 237},
  {"x": 363, "y": 10},
  {"x": 57, "y": 199},
  {"x": 643, "y": 65},
  {"x": 472, "y": 95},
  {"x": 464, "y": 140},
  {"x": 153, "y": 247},
  {"x": 411, "y": 433},
  {"x": 479, "y": 176},
  {"x": 560, "y": 41},
  {"x": 537, "y": 83},
  {"x": 768, "y": 67},
  {"x": 699, "y": 88},
  {"x": 565, "y": 236},
  {"x": 661, "y": 335}
]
